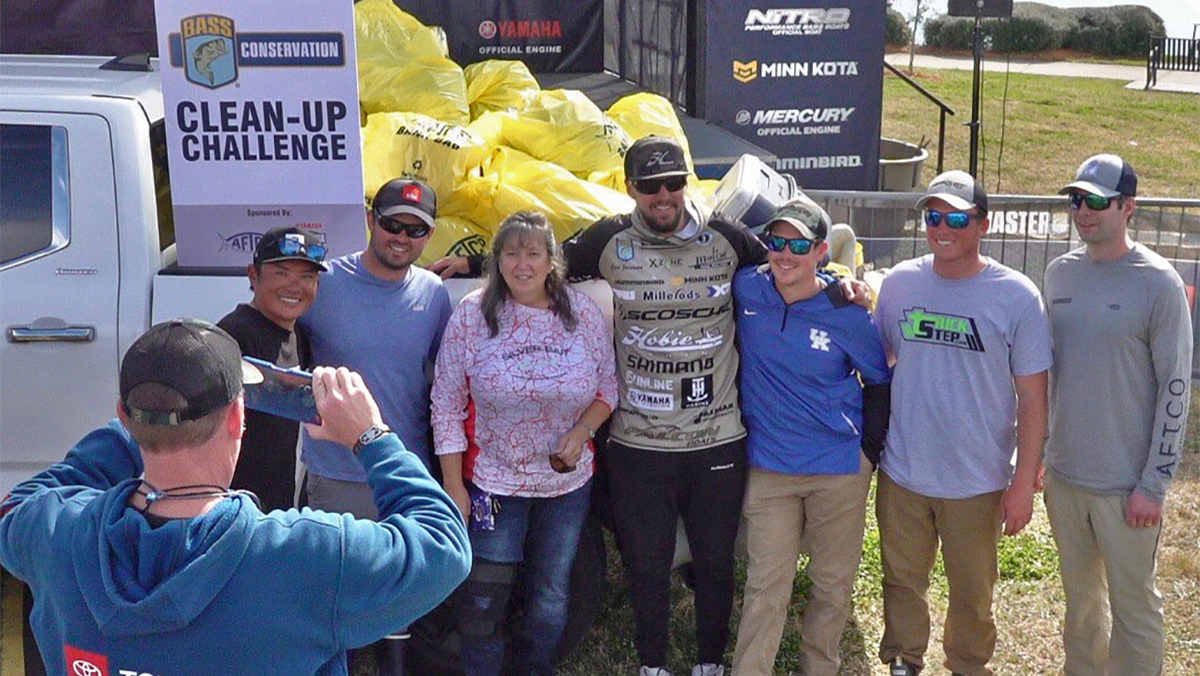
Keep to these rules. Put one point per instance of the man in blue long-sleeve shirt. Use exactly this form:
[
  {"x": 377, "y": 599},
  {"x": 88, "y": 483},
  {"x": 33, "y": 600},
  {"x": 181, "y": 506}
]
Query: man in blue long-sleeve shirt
[{"x": 141, "y": 560}]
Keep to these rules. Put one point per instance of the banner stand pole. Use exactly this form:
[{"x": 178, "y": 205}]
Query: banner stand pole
[{"x": 976, "y": 84}]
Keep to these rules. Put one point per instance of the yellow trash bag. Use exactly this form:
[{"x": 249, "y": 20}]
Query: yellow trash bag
[
  {"x": 566, "y": 128},
  {"x": 455, "y": 236},
  {"x": 509, "y": 180},
  {"x": 403, "y": 65},
  {"x": 499, "y": 85},
  {"x": 647, "y": 114},
  {"x": 489, "y": 126},
  {"x": 411, "y": 145}
]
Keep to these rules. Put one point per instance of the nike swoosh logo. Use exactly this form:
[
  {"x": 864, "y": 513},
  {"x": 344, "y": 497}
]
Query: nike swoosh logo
[{"x": 749, "y": 313}]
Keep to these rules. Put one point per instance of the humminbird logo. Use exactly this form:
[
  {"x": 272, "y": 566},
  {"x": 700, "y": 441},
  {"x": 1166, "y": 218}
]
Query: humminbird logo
[
  {"x": 921, "y": 326},
  {"x": 745, "y": 72},
  {"x": 798, "y": 21},
  {"x": 818, "y": 162}
]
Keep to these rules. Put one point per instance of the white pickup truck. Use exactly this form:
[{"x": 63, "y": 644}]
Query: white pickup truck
[{"x": 85, "y": 248}]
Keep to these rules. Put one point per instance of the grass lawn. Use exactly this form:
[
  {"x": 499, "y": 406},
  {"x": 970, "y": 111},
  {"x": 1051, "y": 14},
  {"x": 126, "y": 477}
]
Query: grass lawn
[
  {"x": 1045, "y": 136},
  {"x": 1029, "y": 601}
]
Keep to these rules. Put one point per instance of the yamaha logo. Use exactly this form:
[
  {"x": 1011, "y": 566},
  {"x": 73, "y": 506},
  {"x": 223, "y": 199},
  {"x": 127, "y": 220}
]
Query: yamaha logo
[{"x": 487, "y": 30}]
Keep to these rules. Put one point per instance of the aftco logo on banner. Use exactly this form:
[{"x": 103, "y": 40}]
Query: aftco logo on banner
[{"x": 797, "y": 21}]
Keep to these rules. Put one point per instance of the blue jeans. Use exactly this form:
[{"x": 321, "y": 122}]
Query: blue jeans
[{"x": 544, "y": 533}]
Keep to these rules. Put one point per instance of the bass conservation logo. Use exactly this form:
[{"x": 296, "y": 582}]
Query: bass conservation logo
[
  {"x": 211, "y": 51},
  {"x": 208, "y": 47}
]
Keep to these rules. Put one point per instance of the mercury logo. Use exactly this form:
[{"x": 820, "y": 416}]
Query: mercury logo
[{"x": 743, "y": 117}]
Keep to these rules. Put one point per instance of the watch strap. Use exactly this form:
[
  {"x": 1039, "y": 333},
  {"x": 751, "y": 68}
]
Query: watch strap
[{"x": 372, "y": 433}]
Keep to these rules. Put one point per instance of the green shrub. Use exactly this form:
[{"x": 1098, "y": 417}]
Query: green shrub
[
  {"x": 1124, "y": 30},
  {"x": 897, "y": 33},
  {"x": 1117, "y": 31},
  {"x": 1022, "y": 34},
  {"x": 949, "y": 33}
]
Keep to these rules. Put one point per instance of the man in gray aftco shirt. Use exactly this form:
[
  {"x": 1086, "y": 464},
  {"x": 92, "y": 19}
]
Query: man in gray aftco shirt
[{"x": 1119, "y": 392}]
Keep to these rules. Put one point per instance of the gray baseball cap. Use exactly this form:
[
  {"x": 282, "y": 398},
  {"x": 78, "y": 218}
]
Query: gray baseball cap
[
  {"x": 957, "y": 188},
  {"x": 1105, "y": 175},
  {"x": 807, "y": 216}
]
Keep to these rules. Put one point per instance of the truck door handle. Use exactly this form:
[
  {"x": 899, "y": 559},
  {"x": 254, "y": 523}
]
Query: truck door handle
[{"x": 65, "y": 334}]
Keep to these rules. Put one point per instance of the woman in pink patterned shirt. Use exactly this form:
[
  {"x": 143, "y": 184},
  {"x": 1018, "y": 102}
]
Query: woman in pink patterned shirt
[{"x": 525, "y": 375}]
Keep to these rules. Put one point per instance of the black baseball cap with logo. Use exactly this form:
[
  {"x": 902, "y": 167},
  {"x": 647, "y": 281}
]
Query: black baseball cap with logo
[
  {"x": 291, "y": 243},
  {"x": 197, "y": 360},
  {"x": 655, "y": 157},
  {"x": 406, "y": 196}
]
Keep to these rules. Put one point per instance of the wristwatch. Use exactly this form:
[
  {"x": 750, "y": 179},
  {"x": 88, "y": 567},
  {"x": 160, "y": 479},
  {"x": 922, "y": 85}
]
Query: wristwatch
[
  {"x": 373, "y": 433},
  {"x": 591, "y": 432}
]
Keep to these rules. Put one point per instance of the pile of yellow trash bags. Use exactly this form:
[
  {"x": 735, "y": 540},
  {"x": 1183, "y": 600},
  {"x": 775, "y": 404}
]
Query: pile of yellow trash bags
[{"x": 487, "y": 138}]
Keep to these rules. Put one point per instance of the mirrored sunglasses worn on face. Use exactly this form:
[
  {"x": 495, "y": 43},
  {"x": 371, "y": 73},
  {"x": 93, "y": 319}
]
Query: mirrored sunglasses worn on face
[
  {"x": 955, "y": 220},
  {"x": 395, "y": 226},
  {"x": 799, "y": 246},
  {"x": 1093, "y": 202},
  {"x": 651, "y": 186},
  {"x": 313, "y": 252}
]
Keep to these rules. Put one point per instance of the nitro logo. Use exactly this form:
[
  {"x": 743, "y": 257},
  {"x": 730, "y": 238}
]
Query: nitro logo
[
  {"x": 921, "y": 326},
  {"x": 806, "y": 21}
]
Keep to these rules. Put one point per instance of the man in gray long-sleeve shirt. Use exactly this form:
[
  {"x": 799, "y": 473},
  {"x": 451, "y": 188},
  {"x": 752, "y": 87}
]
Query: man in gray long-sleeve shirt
[{"x": 1119, "y": 393}]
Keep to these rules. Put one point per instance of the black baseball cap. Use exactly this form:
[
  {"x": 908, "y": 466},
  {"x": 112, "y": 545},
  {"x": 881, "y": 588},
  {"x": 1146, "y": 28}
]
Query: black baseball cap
[
  {"x": 406, "y": 196},
  {"x": 655, "y": 157},
  {"x": 198, "y": 360},
  {"x": 291, "y": 243}
]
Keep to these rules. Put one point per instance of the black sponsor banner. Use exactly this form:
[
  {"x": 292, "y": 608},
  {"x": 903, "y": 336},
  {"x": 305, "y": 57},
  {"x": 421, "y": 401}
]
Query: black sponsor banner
[
  {"x": 548, "y": 35},
  {"x": 802, "y": 79}
]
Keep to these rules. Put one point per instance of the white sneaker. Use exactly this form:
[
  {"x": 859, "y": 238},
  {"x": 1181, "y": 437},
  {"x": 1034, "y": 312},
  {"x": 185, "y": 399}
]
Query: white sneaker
[
  {"x": 708, "y": 669},
  {"x": 653, "y": 671}
]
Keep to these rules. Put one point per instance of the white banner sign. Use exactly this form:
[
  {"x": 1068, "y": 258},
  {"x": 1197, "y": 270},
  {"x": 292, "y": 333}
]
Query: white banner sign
[{"x": 261, "y": 100}]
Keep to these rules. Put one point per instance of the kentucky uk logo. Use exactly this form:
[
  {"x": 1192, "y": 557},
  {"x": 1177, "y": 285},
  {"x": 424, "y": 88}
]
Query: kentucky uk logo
[
  {"x": 210, "y": 51},
  {"x": 920, "y": 326}
]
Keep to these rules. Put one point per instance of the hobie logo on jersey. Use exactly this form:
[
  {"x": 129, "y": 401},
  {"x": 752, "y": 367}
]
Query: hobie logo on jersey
[
  {"x": 820, "y": 339},
  {"x": 798, "y": 21},
  {"x": 670, "y": 340},
  {"x": 921, "y": 326}
]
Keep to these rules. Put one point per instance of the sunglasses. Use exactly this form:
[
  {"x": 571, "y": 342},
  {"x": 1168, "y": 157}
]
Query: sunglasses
[
  {"x": 394, "y": 226},
  {"x": 955, "y": 220},
  {"x": 800, "y": 246},
  {"x": 1093, "y": 202},
  {"x": 651, "y": 186},
  {"x": 313, "y": 252}
]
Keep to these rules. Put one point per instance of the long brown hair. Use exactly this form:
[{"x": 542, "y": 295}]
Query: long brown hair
[{"x": 526, "y": 226}]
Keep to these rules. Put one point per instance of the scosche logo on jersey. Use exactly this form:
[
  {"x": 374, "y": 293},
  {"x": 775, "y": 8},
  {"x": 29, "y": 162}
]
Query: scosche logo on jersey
[
  {"x": 795, "y": 121},
  {"x": 670, "y": 313},
  {"x": 655, "y": 366},
  {"x": 921, "y": 326},
  {"x": 797, "y": 21},
  {"x": 670, "y": 340},
  {"x": 697, "y": 392},
  {"x": 818, "y": 162},
  {"x": 650, "y": 401}
]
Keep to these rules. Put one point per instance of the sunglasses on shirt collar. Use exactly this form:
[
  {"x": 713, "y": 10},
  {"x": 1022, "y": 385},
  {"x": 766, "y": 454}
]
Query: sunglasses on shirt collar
[{"x": 395, "y": 227}]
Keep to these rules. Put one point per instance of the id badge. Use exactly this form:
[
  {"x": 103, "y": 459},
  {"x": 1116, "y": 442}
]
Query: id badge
[{"x": 484, "y": 508}]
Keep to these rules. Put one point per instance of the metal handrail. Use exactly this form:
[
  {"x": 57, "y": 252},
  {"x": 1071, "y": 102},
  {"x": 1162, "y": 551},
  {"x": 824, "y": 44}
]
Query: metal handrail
[{"x": 945, "y": 109}]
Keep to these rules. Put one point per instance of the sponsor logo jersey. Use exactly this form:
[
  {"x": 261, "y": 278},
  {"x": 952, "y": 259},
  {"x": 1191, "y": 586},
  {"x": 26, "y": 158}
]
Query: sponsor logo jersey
[{"x": 674, "y": 325}]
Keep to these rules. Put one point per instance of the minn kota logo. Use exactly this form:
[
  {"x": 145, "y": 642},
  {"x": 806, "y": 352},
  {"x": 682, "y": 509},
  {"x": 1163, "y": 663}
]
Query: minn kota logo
[
  {"x": 920, "y": 326},
  {"x": 745, "y": 72}
]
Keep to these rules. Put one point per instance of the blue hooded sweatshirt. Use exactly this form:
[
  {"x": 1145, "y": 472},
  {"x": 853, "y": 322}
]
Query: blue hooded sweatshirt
[{"x": 233, "y": 591}]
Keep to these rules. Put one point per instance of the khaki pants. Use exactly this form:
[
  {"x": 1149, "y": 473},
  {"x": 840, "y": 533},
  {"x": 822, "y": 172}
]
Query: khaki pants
[
  {"x": 910, "y": 526},
  {"x": 824, "y": 515},
  {"x": 1105, "y": 563}
]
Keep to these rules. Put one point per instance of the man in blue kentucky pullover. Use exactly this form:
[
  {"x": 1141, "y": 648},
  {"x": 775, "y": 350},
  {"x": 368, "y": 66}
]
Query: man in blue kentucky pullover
[{"x": 141, "y": 560}]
